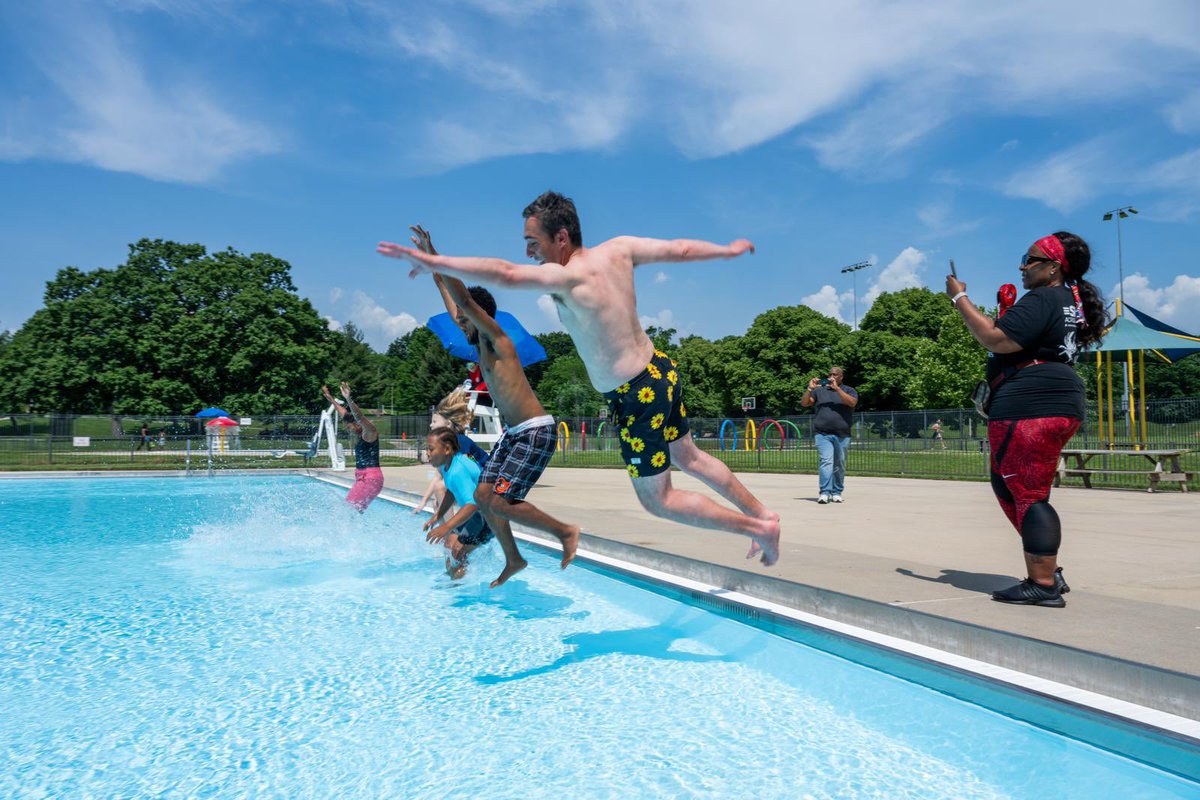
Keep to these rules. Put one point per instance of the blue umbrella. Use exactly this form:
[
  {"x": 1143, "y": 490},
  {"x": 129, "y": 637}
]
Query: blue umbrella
[
  {"x": 212, "y": 412},
  {"x": 529, "y": 349}
]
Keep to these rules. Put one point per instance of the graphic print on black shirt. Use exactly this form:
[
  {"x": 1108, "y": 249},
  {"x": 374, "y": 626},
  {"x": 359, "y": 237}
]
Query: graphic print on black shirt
[{"x": 1043, "y": 324}]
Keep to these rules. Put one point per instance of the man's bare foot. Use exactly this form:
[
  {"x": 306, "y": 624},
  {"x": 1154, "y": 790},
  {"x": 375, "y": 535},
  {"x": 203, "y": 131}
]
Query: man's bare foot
[
  {"x": 755, "y": 547},
  {"x": 510, "y": 569},
  {"x": 570, "y": 543}
]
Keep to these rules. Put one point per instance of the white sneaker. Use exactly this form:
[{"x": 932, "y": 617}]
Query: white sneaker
[
  {"x": 837, "y": 498},
  {"x": 823, "y": 499}
]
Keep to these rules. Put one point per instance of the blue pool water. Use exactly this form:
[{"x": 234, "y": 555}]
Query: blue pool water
[{"x": 255, "y": 638}]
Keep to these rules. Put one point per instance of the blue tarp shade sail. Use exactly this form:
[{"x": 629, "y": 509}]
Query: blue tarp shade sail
[
  {"x": 1125, "y": 334},
  {"x": 529, "y": 349},
  {"x": 1174, "y": 353},
  {"x": 212, "y": 412}
]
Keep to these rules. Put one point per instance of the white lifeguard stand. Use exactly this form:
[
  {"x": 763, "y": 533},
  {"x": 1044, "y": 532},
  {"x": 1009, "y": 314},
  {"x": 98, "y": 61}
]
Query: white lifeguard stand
[
  {"x": 327, "y": 427},
  {"x": 490, "y": 427}
]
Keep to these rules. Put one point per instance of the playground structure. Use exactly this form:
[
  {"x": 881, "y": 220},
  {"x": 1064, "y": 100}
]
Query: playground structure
[
  {"x": 327, "y": 427},
  {"x": 490, "y": 428},
  {"x": 756, "y": 435}
]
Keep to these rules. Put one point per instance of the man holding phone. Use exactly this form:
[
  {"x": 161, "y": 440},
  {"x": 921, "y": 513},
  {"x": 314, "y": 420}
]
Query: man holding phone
[{"x": 835, "y": 404}]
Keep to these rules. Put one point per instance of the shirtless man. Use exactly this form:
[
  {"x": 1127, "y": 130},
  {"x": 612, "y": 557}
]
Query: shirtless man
[
  {"x": 593, "y": 289},
  {"x": 521, "y": 455}
]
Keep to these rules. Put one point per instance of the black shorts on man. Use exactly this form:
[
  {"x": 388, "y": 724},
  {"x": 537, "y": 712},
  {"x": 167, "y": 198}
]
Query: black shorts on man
[{"x": 650, "y": 413}]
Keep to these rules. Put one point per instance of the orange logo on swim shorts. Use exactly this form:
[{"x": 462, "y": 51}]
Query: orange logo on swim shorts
[{"x": 502, "y": 485}]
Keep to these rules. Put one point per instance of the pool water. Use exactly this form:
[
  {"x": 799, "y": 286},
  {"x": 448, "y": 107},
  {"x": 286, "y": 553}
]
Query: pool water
[{"x": 255, "y": 637}]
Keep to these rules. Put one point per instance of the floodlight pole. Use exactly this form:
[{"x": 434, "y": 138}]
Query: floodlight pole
[
  {"x": 853, "y": 269},
  {"x": 1120, "y": 214}
]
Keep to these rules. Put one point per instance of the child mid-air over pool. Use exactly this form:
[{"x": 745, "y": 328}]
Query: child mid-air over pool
[{"x": 467, "y": 529}]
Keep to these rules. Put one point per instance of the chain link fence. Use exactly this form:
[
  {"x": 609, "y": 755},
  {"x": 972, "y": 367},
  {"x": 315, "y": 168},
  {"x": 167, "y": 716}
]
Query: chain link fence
[{"x": 884, "y": 443}]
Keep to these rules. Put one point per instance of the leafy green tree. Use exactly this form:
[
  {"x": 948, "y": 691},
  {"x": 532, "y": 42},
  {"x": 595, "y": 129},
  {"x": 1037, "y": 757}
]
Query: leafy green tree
[
  {"x": 878, "y": 366},
  {"x": 916, "y": 312},
  {"x": 946, "y": 369},
  {"x": 782, "y": 349},
  {"x": 425, "y": 374},
  {"x": 170, "y": 330},
  {"x": 356, "y": 363},
  {"x": 663, "y": 338},
  {"x": 703, "y": 366},
  {"x": 557, "y": 345},
  {"x": 566, "y": 391}
]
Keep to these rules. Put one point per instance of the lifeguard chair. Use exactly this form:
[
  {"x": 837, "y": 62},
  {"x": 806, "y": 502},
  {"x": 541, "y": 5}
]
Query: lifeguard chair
[{"x": 490, "y": 426}]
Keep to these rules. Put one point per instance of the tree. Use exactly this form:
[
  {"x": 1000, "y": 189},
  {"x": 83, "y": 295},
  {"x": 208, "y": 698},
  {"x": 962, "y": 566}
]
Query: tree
[
  {"x": 915, "y": 312},
  {"x": 879, "y": 366},
  {"x": 703, "y": 367},
  {"x": 356, "y": 363},
  {"x": 170, "y": 330},
  {"x": 557, "y": 345},
  {"x": 945, "y": 370},
  {"x": 783, "y": 348},
  {"x": 567, "y": 391},
  {"x": 425, "y": 374},
  {"x": 662, "y": 338}
]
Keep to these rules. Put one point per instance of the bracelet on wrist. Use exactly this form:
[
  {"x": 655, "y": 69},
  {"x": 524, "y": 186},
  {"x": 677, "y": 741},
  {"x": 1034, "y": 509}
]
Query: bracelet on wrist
[{"x": 954, "y": 300}]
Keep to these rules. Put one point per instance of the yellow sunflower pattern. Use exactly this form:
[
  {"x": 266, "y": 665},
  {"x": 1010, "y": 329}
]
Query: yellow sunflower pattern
[
  {"x": 633, "y": 471},
  {"x": 682, "y": 410},
  {"x": 646, "y": 395},
  {"x": 636, "y": 444},
  {"x": 673, "y": 376},
  {"x": 654, "y": 371},
  {"x": 624, "y": 434},
  {"x": 623, "y": 388},
  {"x": 657, "y": 420},
  {"x": 670, "y": 394},
  {"x": 671, "y": 433},
  {"x": 658, "y": 459}
]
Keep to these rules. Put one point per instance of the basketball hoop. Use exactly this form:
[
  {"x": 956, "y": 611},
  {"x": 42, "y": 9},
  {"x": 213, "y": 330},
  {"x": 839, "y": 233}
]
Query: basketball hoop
[{"x": 747, "y": 404}]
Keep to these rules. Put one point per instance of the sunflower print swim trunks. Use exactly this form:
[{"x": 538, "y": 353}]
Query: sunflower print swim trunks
[{"x": 650, "y": 414}]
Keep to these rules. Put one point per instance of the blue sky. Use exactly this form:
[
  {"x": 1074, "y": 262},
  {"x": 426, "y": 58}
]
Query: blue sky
[{"x": 827, "y": 133}]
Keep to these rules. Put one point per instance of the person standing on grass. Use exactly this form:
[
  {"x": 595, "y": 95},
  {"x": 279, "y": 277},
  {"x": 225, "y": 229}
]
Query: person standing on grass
[
  {"x": 835, "y": 404},
  {"x": 520, "y": 456},
  {"x": 1037, "y": 400},
  {"x": 144, "y": 437},
  {"x": 368, "y": 477},
  {"x": 593, "y": 290}
]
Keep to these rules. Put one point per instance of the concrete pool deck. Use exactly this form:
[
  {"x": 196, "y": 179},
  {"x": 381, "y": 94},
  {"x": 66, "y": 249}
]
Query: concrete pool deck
[{"x": 924, "y": 555}]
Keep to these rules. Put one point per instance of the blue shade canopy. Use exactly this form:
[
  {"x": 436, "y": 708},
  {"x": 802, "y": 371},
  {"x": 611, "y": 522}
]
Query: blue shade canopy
[
  {"x": 529, "y": 349},
  {"x": 1150, "y": 322},
  {"x": 212, "y": 412},
  {"x": 1125, "y": 334}
]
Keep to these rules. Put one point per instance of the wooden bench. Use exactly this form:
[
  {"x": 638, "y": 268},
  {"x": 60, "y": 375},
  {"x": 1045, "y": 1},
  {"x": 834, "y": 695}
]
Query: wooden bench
[{"x": 1159, "y": 459}]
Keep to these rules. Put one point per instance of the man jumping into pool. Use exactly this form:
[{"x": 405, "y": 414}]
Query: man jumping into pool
[
  {"x": 593, "y": 289},
  {"x": 521, "y": 455}
]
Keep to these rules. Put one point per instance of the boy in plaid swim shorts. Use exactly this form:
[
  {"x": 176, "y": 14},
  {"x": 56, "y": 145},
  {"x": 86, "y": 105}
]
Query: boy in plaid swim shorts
[{"x": 521, "y": 455}]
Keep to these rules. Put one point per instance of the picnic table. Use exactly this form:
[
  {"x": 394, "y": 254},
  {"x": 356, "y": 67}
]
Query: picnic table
[{"x": 1075, "y": 462}]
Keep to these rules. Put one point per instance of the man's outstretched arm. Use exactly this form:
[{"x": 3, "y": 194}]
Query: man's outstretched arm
[
  {"x": 547, "y": 277},
  {"x": 660, "y": 251}
]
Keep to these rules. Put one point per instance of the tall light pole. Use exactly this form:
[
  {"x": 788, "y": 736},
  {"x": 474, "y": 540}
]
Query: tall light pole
[
  {"x": 1121, "y": 213},
  {"x": 852, "y": 269}
]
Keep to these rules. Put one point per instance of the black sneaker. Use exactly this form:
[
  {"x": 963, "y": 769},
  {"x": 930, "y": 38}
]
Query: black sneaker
[
  {"x": 1060, "y": 582},
  {"x": 1028, "y": 593}
]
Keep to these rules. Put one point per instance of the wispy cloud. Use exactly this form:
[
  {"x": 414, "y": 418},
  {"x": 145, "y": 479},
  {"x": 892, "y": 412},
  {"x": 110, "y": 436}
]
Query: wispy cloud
[
  {"x": 830, "y": 302},
  {"x": 1177, "y": 304},
  {"x": 380, "y": 327},
  {"x": 665, "y": 319},
  {"x": 903, "y": 272},
  {"x": 550, "y": 311},
  {"x": 107, "y": 109},
  {"x": 939, "y": 221}
]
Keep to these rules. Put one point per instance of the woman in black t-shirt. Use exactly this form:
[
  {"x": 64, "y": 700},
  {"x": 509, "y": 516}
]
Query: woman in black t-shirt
[{"x": 1037, "y": 399}]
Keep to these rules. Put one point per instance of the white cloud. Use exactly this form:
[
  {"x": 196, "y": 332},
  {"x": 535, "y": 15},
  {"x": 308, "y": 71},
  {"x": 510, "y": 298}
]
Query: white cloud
[
  {"x": 1184, "y": 115},
  {"x": 380, "y": 327},
  {"x": 661, "y": 277},
  {"x": 1067, "y": 179},
  {"x": 904, "y": 272},
  {"x": 830, "y": 302},
  {"x": 939, "y": 222},
  {"x": 546, "y": 303},
  {"x": 336, "y": 294},
  {"x": 107, "y": 110},
  {"x": 1177, "y": 305},
  {"x": 332, "y": 324},
  {"x": 665, "y": 319}
]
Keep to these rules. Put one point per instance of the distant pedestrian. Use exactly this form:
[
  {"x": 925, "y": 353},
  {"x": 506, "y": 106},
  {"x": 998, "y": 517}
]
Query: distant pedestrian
[
  {"x": 936, "y": 428},
  {"x": 144, "y": 437},
  {"x": 835, "y": 404}
]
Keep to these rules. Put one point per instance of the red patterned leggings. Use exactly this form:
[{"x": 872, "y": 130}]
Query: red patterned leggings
[{"x": 1024, "y": 458}]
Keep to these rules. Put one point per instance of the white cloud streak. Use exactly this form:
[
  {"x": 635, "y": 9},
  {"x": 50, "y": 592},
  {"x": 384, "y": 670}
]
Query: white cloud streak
[
  {"x": 1177, "y": 304},
  {"x": 380, "y": 327}
]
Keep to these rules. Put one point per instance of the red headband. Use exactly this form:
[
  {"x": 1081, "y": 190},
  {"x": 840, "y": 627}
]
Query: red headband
[{"x": 1053, "y": 247}]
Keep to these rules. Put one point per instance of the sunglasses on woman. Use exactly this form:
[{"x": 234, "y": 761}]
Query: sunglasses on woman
[{"x": 1027, "y": 259}]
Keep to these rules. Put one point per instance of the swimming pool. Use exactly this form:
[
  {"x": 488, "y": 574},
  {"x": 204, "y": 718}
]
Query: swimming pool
[{"x": 255, "y": 637}]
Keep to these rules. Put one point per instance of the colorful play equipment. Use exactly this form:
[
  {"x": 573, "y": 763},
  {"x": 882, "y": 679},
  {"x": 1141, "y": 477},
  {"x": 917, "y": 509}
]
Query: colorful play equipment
[
  {"x": 755, "y": 436},
  {"x": 721, "y": 435},
  {"x": 564, "y": 437}
]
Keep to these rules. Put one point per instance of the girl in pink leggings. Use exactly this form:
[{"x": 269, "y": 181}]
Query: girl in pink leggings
[{"x": 368, "y": 477}]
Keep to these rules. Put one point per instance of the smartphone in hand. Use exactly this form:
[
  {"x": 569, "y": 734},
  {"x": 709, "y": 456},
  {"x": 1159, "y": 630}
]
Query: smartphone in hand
[{"x": 952, "y": 270}]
